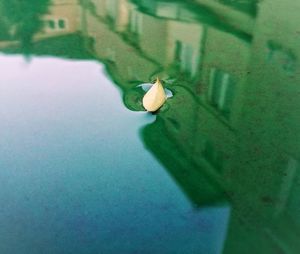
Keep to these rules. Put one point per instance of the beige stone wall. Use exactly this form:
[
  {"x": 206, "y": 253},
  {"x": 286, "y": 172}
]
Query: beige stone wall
[
  {"x": 129, "y": 64},
  {"x": 68, "y": 12},
  {"x": 153, "y": 37},
  {"x": 190, "y": 35},
  {"x": 230, "y": 54},
  {"x": 275, "y": 65},
  {"x": 118, "y": 10}
]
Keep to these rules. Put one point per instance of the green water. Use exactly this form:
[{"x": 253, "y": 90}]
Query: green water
[{"x": 84, "y": 169}]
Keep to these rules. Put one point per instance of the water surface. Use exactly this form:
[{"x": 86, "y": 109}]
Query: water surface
[{"x": 84, "y": 169}]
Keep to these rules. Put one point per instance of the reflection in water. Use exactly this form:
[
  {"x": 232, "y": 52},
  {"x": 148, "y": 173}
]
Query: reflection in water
[
  {"x": 229, "y": 137},
  {"x": 20, "y": 20}
]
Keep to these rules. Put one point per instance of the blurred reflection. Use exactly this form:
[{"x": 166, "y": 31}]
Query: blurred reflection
[
  {"x": 20, "y": 20},
  {"x": 231, "y": 133}
]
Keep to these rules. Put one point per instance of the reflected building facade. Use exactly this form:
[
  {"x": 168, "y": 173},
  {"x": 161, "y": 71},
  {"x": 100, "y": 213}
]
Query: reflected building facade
[
  {"x": 230, "y": 134},
  {"x": 268, "y": 127},
  {"x": 55, "y": 18},
  {"x": 63, "y": 17}
]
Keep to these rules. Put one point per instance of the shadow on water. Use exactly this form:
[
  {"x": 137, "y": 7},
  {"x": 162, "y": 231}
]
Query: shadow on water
[{"x": 230, "y": 134}]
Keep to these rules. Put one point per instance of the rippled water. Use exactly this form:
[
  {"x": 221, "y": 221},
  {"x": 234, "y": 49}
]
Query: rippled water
[{"x": 84, "y": 169}]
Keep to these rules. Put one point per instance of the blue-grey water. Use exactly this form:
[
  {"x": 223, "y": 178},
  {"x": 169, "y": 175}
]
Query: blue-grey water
[{"x": 75, "y": 176}]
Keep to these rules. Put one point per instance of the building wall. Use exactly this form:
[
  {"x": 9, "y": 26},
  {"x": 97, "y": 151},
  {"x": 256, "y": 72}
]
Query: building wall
[
  {"x": 228, "y": 56},
  {"x": 266, "y": 176},
  {"x": 190, "y": 36},
  {"x": 128, "y": 63},
  {"x": 100, "y": 7},
  {"x": 153, "y": 37},
  {"x": 274, "y": 67},
  {"x": 64, "y": 16}
]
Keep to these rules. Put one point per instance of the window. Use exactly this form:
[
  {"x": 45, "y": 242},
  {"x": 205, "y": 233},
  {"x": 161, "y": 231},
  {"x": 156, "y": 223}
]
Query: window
[
  {"x": 135, "y": 22},
  {"x": 178, "y": 49},
  {"x": 55, "y": 25},
  {"x": 186, "y": 57},
  {"x": 288, "y": 200},
  {"x": 51, "y": 24},
  {"x": 281, "y": 56},
  {"x": 112, "y": 9},
  {"x": 221, "y": 91},
  {"x": 61, "y": 24}
]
